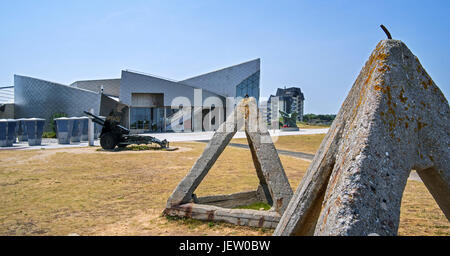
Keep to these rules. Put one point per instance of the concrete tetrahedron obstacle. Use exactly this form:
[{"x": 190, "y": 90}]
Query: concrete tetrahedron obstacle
[
  {"x": 273, "y": 189},
  {"x": 394, "y": 119}
]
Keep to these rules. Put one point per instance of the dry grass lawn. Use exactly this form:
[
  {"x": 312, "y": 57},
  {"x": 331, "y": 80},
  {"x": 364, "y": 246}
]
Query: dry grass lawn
[
  {"x": 90, "y": 192},
  {"x": 420, "y": 215},
  {"x": 310, "y": 126},
  {"x": 299, "y": 143}
]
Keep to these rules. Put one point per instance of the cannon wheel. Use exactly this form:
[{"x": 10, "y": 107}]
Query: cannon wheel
[{"x": 108, "y": 141}]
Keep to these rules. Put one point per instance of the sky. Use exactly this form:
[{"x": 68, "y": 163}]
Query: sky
[{"x": 319, "y": 46}]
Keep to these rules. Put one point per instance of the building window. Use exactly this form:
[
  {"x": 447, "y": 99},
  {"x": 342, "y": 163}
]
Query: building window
[
  {"x": 140, "y": 118},
  {"x": 250, "y": 87}
]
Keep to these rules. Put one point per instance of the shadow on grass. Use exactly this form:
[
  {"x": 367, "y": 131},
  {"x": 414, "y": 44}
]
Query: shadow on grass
[{"x": 259, "y": 206}]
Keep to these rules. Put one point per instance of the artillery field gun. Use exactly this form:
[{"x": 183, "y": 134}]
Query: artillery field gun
[{"x": 113, "y": 134}]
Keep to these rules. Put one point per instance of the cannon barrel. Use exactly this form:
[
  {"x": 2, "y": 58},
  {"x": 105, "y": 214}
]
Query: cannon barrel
[
  {"x": 95, "y": 118},
  {"x": 109, "y": 123},
  {"x": 123, "y": 129}
]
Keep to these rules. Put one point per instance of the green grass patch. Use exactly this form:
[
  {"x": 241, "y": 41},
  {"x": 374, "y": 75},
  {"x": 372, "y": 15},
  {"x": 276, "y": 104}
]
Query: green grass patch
[
  {"x": 136, "y": 148},
  {"x": 51, "y": 135},
  {"x": 255, "y": 206},
  {"x": 141, "y": 147}
]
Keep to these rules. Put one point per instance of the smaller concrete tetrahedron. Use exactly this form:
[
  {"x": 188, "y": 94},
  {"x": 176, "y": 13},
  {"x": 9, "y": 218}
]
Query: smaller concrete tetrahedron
[
  {"x": 274, "y": 186},
  {"x": 393, "y": 120}
]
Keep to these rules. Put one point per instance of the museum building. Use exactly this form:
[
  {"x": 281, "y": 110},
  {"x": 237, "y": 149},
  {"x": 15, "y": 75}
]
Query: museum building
[{"x": 148, "y": 103}]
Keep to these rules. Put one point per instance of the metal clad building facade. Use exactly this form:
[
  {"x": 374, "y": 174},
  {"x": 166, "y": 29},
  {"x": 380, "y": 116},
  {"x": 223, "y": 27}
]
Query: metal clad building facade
[
  {"x": 225, "y": 81},
  {"x": 153, "y": 103},
  {"x": 42, "y": 99}
]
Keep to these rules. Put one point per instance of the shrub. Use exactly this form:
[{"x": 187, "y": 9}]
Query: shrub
[
  {"x": 51, "y": 135},
  {"x": 52, "y": 121}
]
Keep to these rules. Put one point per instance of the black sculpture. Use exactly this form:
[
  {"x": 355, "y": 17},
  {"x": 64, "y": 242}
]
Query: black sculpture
[{"x": 289, "y": 120}]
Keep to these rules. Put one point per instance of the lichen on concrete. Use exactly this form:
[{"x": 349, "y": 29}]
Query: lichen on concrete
[{"x": 393, "y": 120}]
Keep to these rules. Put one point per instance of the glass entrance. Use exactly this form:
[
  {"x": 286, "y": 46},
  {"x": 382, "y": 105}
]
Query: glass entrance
[
  {"x": 140, "y": 118},
  {"x": 147, "y": 119}
]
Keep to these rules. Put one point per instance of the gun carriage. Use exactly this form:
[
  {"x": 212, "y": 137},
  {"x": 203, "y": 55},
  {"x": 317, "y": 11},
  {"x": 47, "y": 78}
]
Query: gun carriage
[{"x": 113, "y": 134}]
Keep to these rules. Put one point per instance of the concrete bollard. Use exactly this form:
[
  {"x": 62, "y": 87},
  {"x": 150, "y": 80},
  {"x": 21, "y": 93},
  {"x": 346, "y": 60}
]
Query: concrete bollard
[
  {"x": 84, "y": 125},
  {"x": 35, "y": 128},
  {"x": 3, "y": 133},
  {"x": 76, "y": 131},
  {"x": 12, "y": 135},
  {"x": 64, "y": 127},
  {"x": 91, "y": 130},
  {"x": 7, "y": 132},
  {"x": 21, "y": 130},
  {"x": 98, "y": 128}
]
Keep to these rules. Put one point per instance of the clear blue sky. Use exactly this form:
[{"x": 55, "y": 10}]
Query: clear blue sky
[{"x": 319, "y": 46}]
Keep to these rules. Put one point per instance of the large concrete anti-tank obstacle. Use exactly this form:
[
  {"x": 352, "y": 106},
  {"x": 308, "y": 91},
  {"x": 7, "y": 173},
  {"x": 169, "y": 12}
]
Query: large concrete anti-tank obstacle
[
  {"x": 273, "y": 189},
  {"x": 394, "y": 119}
]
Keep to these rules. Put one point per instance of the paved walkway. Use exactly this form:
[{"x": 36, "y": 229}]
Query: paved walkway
[
  {"x": 192, "y": 136},
  {"x": 304, "y": 156},
  {"x": 308, "y": 157},
  {"x": 48, "y": 144},
  {"x": 171, "y": 137},
  {"x": 202, "y": 136}
]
